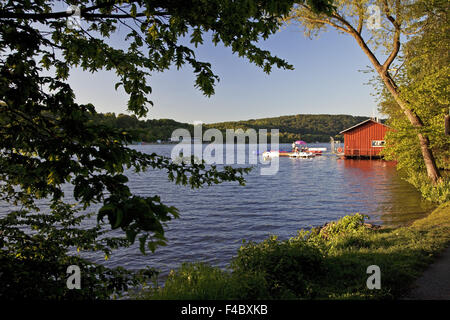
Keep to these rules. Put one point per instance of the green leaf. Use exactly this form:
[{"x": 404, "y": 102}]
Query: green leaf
[
  {"x": 131, "y": 235},
  {"x": 118, "y": 218},
  {"x": 142, "y": 241}
]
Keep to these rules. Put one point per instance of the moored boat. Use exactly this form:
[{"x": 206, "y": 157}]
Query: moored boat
[
  {"x": 301, "y": 154},
  {"x": 297, "y": 154}
]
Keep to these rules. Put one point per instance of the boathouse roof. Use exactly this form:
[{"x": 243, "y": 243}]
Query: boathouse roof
[{"x": 361, "y": 123}]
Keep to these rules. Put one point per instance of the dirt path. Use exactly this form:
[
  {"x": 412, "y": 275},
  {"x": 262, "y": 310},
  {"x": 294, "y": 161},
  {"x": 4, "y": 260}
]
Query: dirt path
[{"x": 434, "y": 284}]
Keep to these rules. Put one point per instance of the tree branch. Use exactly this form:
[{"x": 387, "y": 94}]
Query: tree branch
[
  {"x": 396, "y": 40},
  {"x": 121, "y": 16},
  {"x": 361, "y": 19},
  {"x": 394, "y": 52},
  {"x": 359, "y": 40},
  {"x": 388, "y": 15},
  {"x": 327, "y": 22}
]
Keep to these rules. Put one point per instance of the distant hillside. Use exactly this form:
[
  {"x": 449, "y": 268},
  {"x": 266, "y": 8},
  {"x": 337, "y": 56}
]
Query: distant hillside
[
  {"x": 146, "y": 130},
  {"x": 307, "y": 127}
]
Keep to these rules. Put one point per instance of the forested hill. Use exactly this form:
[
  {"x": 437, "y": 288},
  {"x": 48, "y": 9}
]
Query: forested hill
[
  {"x": 150, "y": 130},
  {"x": 307, "y": 127}
]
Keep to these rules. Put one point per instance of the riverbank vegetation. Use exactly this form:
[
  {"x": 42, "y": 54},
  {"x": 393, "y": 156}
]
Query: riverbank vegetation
[{"x": 329, "y": 262}]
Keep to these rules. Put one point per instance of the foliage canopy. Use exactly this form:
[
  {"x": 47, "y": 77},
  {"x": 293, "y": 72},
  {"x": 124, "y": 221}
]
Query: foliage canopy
[{"x": 423, "y": 78}]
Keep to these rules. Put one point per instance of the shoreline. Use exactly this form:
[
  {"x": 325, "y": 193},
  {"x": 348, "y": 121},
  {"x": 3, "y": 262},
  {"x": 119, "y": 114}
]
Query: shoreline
[{"x": 331, "y": 259}]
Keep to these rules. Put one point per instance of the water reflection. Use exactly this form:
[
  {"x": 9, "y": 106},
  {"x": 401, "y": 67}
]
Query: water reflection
[{"x": 393, "y": 201}]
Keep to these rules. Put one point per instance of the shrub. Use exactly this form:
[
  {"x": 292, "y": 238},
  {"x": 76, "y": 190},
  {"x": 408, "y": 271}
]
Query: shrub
[
  {"x": 438, "y": 193},
  {"x": 290, "y": 268}
]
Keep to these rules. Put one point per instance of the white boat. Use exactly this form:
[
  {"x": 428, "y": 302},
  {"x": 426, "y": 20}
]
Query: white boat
[
  {"x": 298, "y": 154},
  {"x": 302, "y": 155}
]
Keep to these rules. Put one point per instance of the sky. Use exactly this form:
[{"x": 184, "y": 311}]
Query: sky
[{"x": 326, "y": 80}]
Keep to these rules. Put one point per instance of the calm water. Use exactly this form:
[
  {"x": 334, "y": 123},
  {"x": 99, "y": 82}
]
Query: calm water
[{"x": 305, "y": 192}]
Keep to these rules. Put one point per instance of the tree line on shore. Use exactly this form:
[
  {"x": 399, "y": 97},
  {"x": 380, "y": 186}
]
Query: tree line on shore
[{"x": 306, "y": 127}]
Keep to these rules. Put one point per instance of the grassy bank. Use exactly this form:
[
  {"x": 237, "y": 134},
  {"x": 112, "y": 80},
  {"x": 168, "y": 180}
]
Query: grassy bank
[{"x": 324, "y": 263}]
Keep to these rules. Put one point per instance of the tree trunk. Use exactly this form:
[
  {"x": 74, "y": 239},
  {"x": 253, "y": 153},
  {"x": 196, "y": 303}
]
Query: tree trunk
[{"x": 428, "y": 157}]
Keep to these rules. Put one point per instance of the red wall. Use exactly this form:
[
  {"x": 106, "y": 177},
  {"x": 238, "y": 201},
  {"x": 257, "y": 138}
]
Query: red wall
[{"x": 358, "y": 141}]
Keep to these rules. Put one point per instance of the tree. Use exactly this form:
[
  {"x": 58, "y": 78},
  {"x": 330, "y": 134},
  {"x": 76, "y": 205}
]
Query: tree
[
  {"x": 397, "y": 19},
  {"x": 424, "y": 82},
  {"x": 47, "y": 139}
]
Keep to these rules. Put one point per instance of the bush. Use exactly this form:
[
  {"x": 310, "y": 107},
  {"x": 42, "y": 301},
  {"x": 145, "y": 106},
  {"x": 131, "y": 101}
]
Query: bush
[
  {"x": 346, "y": 232},
  {"x": 438, "y": 193},
  {"x": 290, "y": 268}
]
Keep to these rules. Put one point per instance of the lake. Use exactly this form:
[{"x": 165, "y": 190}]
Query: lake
[{"x": 305, "y": 192}]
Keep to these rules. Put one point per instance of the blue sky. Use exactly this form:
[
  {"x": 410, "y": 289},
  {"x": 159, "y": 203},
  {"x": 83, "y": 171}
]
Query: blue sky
[{"x": 326, "y": 80}]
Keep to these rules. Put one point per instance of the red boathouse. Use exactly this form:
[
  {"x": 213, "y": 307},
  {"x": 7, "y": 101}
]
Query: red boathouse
[{"x": 364, "y": 140}]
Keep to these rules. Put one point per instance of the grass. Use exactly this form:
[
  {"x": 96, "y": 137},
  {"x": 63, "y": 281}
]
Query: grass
[{"x": 323, "y": 263}]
